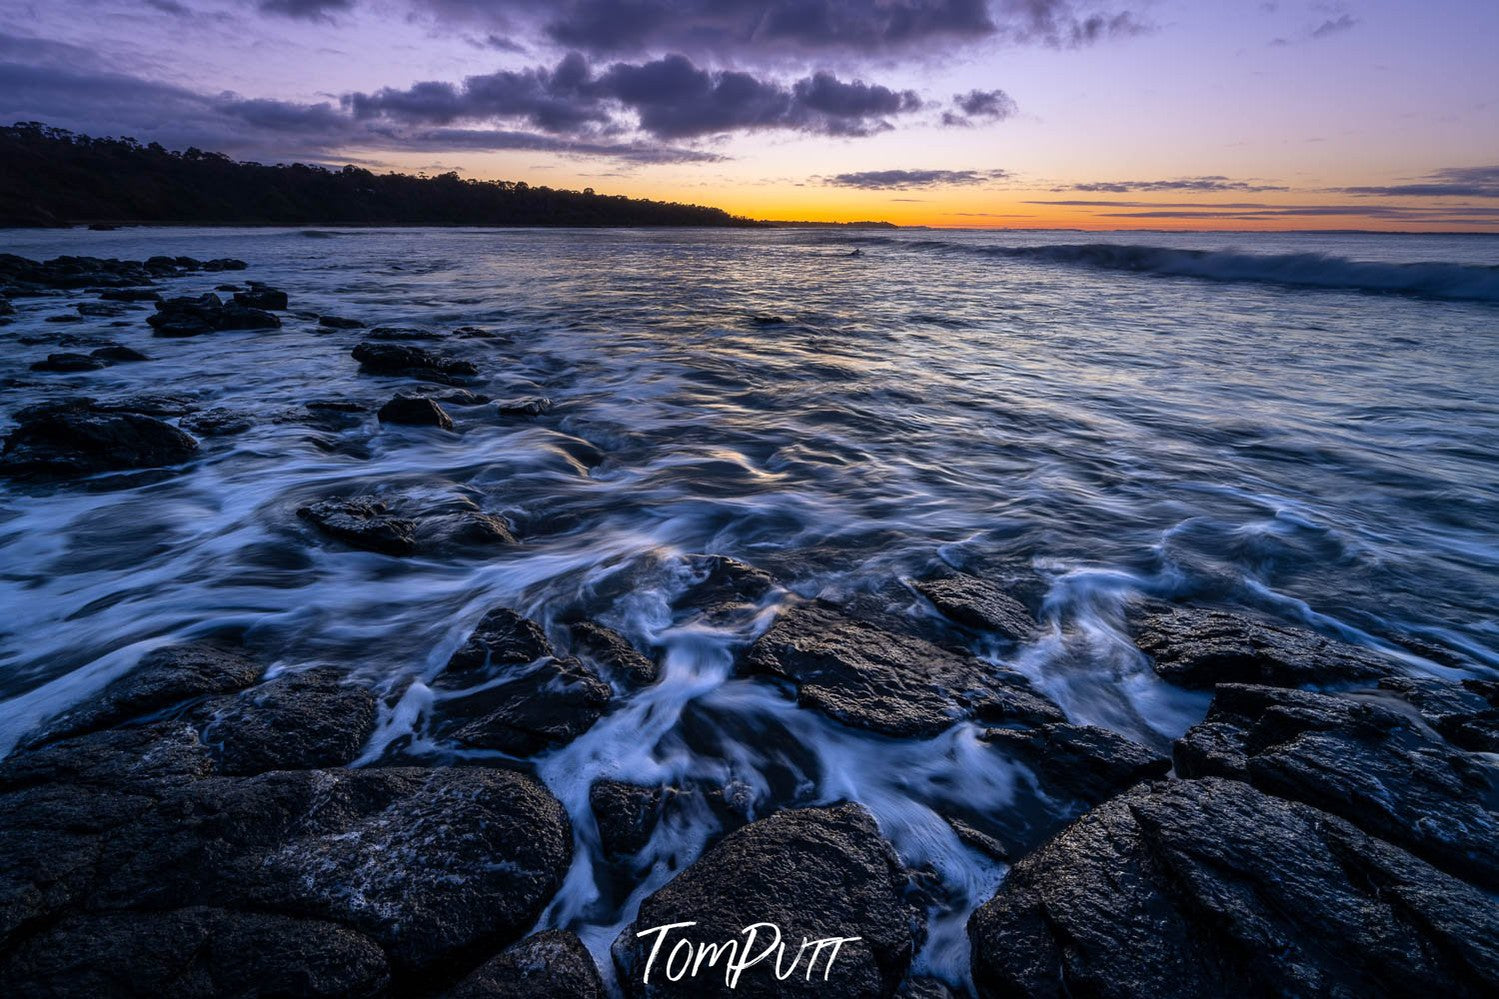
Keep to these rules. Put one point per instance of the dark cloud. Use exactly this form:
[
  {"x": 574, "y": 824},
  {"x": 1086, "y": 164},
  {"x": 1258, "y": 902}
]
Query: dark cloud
[
  {"x": 170, "y": 7},
  {"x": 902, "y": 180},
  {"x": 980, "y": 106},
  {"x": 1257, "y": 211},
  {"x": 308, "y": 10},
  {"x": 1201, "y": 184},
  {"x": 669, "y": 98},
  {"x": 1453, "y": 182},
  {"x": 1334, "y": 25}
]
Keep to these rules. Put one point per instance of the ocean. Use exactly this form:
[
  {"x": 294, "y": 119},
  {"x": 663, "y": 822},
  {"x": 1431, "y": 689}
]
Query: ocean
[{"x": 1303, "y": 425}]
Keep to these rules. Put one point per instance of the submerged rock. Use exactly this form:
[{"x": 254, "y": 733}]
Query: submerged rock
[
  {"x": 814, "y": 872},
  {"x": 68, "y": 363},
  {"x": 415, "y": 410},
  {"x": 363, "y": 523},
  {"x": 1362, "y": 760},
  {"x": 978, "y": 604},
  {"x": 612, "y": 651},
  {"x": 401, "y": 359},
  {"x": 339, "y": 323},
  {"x": 1209, "y": 887},
  {"x": 73, "y": 439},
  {"x": 1198, "y": 648},
  {"x": 891, "y": 683},
  {"x": 553, "y": 963}
]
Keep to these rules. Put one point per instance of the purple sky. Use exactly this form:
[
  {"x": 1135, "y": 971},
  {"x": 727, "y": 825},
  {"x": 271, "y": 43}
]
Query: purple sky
[{"x": 1111, "y": 114}]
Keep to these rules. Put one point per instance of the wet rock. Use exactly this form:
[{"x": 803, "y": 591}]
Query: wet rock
[
  {"x": 194, "y": 952},
  {"x": 626, "y": 814},
  {"x": 149, "y": 404},
  {"x": 69, "y": 363},
  {"x": 337, "y": 405},
  {"x": 135, "y": 759},
  {"x": 363, "y": 523},
  {"x": 923, "y": 988},
  {"x": 1209, "y": 887},
  {"x": 1361, "y": 760},
  {"x": 614, "y": 653},
  {"x": 339, "y": 323},
  {"x": 415, "y": 410},
  {"x": 473, "y": 528},
  {"x": 184, "y": 317},
  {"x": 1091, "y": 764},
  {"x": 463, "y": 397},
  {"x": 977, "y": 839},
  {"x": 505, "y": 689},
  {"x": 116, "y": 353},
  {"x": 73, "y": 439},
  {"x": 298, "y": 721},
  {"x": 161, "y": 678},
  {"x": 1465, "y": 712},
  {"x": 99, "y": 310},
  {"x": 553, "y": 963},
  {"x": 217, "y": 422},
  {"x": 64, "y": 318},
  {"x": 261, "y": 297},
  {"x": 130, "y": 295},
  {"x": 720, "y": 587},
  {"x": 1198, "y": 648},
  {"x": 21, "y": 276},
  {"x": 534, "y": 405},
  {"x": 403, "y": 333},
  {"x": 814, "y": 872},
  {"x": 978, "y": 604},
  {"x": 401, "y": 359},
  {"x": 891, "y": 683}
]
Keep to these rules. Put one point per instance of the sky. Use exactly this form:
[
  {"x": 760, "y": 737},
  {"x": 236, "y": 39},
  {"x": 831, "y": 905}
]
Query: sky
[{"x": 1093, "y": 114}]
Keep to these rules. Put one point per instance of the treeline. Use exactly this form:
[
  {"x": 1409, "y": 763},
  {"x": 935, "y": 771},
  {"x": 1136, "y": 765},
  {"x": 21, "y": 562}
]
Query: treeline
[{"x": 50, "y": 176}]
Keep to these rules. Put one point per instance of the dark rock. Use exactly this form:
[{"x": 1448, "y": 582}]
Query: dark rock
[
  {"x": 1090, "y": 764},
  {"x": 149, "y": 404},
  {"x": 1361, "y": 760},
  {"x": 815, "y": 873},
  {"x": 403, "y": 333},
  {"x": 401, "y": 359},
  {"x": 194, "y": 952},
  {"x": 64, "y": 318},
  {"x": 130, "y": 295},
  {"x": 612, "y": 651},
  {"x": 474, "y": 528},
  {"x": 979, "y": 840},
  {"x": 339, "y": 323},
  {"x": 479, "y": 333},
  {"x": 415, "y": 410},
  {"x": 337, "y": 405},
  {"x": 923, "y": 988},
  {"x": 553, "y": 964},
  {"x": 526, "y": 406},
  {"x": 298, "y": 721},
  {"x": 979, "y": 604},
  {"x": 363, "y": 523},
  {"x": 73, "y": 439},
  {"x": 217, "y": 423},
  {"x": 99, "y": 310},
  {"x": 626, "y": 815},
  {"x": 68, "y": 362},
  {"x": 1208, "y": 887},
  {"x": 886, "y": 682},
  {"x": 183, "y": 317},
  {"x": 162, "y": 678},
  {"x": 1199, "y": 648},
  {"x": 114, "y": 353},
  {"x": 501, "y": 638},
  {"x": 721, "y": 587},
  {"x": 261, "y": 297},
  {"x": 463, "y": 397},
  {"x": 129, "y": 760},
  {"x": 1465, "y": 713}
]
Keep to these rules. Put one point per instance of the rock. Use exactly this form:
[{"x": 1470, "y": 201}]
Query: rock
[
  {"x": 337, "y": 405},
  {"x": 526, "y": 406},
  {"x": 217, "y": 422},
  {"x": 401, "y": 359},
  {"x": 149, "y": 404},
  {"x": 130, "y": 295},
  {"x": 403, "y": 333},
  {"x": 1199, "y": 648},
  {"x": 626, "y": 815},
  {"x": 73, "y": 439},
  {"x": 979, "y": 604},
  {"x": 134, "y": 759},
  {"x": 161, "y": 678},
  {"x": 1208, "y": 887},
  {"x": 612, "y": 651},
  {"x": 415, "y": 410},
  {"x": 21, "y": 276},
  {"x": 1361, "y": 760},
  {"x": 363, "y": 523},
  {"x": 1090, "y": 764},
  {"x": 553, "y": 963},
  {"x": 463, "y": 397},
  {"x": 923, "y": 988},
  {"x": 1465, "y": 712},
  {"x": 261, "y": 297},
  {"x": 63, "y": 318},
  {"x": 183, "y": 317},
  {"x": 815, "y": 873},
  {"x": 68, "y": 363},
  {"x": 194, "y": 952},
  {"x": 720, "y": 587},
  {"x": 339, "y": 323},
  {"x": 504, "y": 689},
  {"x": 298, "y": 721},
  {"x": 114, "y": 353},
  {"x": 99, "y": 310},
  {"x": 885, "y": 682}
]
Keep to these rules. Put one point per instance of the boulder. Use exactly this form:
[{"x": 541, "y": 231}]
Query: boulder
[
  {"x": 626, "y": 814},
  {"x": 1084, "y": 762},
  {"x": 816, "y": 873},
  {"x": 553, "y": 963},
  {"x": 218, "y": 422},
  {"x": 415, "y": 410},
  {"x": 362, "y": 523},
  {"x": 613, "y": 652},
  {"x": 298, "y": 721},
  {"x": 377, "y": 358},
  {"x": 184, "y": 317},
  {"x": 891, "y": 683},
  {"x": 978, "y": 604},
  {"x": 533, "y": 405},
  {"x": 1209, "y": 887},
  {"x": 1197, "y": 648},
  {"x": 261, "y": 297}
]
